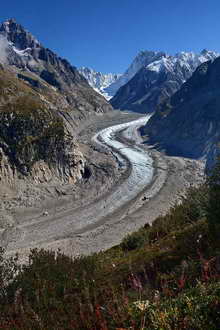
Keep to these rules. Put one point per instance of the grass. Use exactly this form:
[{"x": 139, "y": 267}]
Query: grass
[{"x": 164, "y": 276}]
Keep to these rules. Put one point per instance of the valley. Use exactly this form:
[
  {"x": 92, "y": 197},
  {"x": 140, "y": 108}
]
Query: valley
[
  {"x": 143, "y": 185},
  {"x": 75, "y": 173},
  {"x": 109, "y": 166}
]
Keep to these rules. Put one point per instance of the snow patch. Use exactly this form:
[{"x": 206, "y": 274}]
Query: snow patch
[{"x": 21, "y": 52}]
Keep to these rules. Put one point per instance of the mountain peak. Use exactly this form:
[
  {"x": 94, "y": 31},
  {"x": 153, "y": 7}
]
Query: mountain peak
[
  {"x": 150, "y": 53},
  {"x": 205, "y": 51},
  {"x": 19, "y": 36},
  {"x": 10, "y": 21},
  {"x": 10, "y": 25},
  {"x": 99, "y": 81},
  {"x": 151, "y": 79}
]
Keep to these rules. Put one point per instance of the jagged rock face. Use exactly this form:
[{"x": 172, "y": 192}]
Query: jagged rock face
[
  {"x": 188, "y": 123},
  {"x": 142, "y": 59},
  {"x": 20, "y": 49},
  {"x": 98, "y": 80},
  {"x": 158, "y": 80},
  {"x": 20, "y": 38}
]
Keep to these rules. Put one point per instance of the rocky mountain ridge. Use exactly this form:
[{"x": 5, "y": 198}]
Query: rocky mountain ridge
[
  {"x": 188, "y": 123},
  {"x": 22, "y": 52},
  {"x": 99, "y": 81},
  {"x": 43, "y": 98},
  {"x": 142, "y": 59},
  {"x": 157, "y": 80},
  {"x": 35, "y": 142},
  {"x": 110, "y": 88}
]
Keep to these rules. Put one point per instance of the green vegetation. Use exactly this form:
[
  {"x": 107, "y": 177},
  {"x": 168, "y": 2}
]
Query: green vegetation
[
  {"x": 214, "y": 198},
  {"x": 29, "y": 132},
  {"x": 29, "y": 129},
  {"x": 165, "y": 276}
]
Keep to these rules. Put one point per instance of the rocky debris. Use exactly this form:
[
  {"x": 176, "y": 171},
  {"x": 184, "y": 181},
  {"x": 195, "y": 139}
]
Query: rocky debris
[
  {"x": 6, "y": 220},
  {"x": 66, "y": 204},
  {"x": 8, "y": 173}
]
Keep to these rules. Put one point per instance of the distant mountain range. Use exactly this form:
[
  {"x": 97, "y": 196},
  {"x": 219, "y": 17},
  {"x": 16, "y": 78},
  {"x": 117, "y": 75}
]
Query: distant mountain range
[
  {"x": 99, "y": 81},
  {"x": 109, "y": 84},
  {"x": 183, "y": 92},
  {"x": 156, "y": 80},
  {"x": 142, "y": 59},
  {"x": 188, "y": 123},
  {"x": 149, "y": 80}
]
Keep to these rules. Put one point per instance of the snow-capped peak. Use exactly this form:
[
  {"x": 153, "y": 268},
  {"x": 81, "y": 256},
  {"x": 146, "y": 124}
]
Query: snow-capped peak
[
  {"x": 188, "y": 60},
  {"x": 16, "y": 34},
  {"x": 156, "y": 61},
  {"x": 98, "y": 80},
  {"x": 160, "y": 65},
  {"x": 143, "y": 58}
]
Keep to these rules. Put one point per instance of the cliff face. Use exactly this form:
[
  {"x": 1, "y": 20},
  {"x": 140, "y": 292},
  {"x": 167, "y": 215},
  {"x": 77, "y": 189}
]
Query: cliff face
[{"x": 188, "y": 123}]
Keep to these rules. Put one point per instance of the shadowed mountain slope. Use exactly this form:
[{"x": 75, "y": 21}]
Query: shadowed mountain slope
[
  {"x": 188, "y": 123},
  {"x": 158, "y": 80}
]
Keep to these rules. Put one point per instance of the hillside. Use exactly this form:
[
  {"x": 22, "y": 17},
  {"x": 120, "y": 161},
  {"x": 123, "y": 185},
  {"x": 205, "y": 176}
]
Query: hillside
[
  {"x": 43, "y": 99},
  {"x": 34, "y": 141},
  {"x": 165, "y": 276},
  {"x": 157, "y": 80},
  {"x": 188, "y": 123},
  {"x": 24, "y": 53}
]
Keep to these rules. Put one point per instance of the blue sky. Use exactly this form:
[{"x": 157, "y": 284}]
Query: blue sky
[{"x": 107, "y": 34}]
